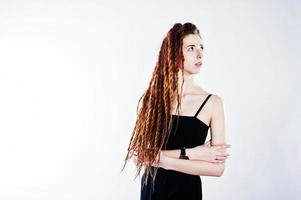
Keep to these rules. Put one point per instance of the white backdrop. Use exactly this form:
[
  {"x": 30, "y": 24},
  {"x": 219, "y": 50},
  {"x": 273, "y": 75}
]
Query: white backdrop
[{"x": 71, "y": 73}]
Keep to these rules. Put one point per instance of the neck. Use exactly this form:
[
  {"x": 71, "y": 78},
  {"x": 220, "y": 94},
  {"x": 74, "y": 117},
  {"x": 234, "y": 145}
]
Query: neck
[{"x": 188, "y": 83}]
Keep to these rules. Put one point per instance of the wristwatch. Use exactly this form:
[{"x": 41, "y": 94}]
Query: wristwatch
[{"x": 183, "y": 154}]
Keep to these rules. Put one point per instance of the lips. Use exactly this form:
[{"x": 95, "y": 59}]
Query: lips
[{"x": 198, "y": 64}]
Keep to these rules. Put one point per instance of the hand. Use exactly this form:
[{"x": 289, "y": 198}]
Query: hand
[
  {"x": 209, "y": 153},
  {"x": 159, "y": 161}
]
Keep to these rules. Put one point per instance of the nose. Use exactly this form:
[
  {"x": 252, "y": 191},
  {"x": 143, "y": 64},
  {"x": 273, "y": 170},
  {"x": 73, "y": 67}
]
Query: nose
[{"x": 199, "y": 54}]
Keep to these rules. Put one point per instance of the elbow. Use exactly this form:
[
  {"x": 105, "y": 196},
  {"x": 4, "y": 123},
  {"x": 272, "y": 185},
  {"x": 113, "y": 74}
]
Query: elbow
[{"x": 220, "y": 171}]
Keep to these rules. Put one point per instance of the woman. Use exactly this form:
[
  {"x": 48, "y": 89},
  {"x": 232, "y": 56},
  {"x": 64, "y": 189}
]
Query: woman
[{"x": 173, "y": 120}]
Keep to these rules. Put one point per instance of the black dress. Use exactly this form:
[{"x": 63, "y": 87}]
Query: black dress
[{"x": 174, "y": 185}]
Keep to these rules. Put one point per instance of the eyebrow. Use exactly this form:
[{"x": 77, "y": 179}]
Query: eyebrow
[{"x": 192, "y": 45}]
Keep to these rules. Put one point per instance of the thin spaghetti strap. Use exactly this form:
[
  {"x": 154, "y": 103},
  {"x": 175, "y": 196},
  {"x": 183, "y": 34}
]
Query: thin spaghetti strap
[{"x": 196, "y": 114}]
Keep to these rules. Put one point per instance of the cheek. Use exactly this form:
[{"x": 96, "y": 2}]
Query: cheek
[{"x": 188, "y": 62}]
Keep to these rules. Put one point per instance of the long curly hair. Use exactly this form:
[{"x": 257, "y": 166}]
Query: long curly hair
[{"x": 154, "y": 120}]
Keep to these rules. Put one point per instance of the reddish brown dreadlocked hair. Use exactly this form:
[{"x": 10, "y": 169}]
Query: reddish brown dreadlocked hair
[{"x": 154, "y": 121}]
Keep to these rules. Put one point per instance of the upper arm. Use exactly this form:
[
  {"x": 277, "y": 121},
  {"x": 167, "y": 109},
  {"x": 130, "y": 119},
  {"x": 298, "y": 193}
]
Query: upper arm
[
  {"x": 217, "y": 126},
  {"x": 217, "y": 122}
]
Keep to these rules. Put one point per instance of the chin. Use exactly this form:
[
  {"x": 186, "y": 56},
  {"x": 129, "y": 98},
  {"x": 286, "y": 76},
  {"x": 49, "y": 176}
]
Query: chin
[
  {"x": 196, "y": 71},
  {"x": 192, "y": 71}
]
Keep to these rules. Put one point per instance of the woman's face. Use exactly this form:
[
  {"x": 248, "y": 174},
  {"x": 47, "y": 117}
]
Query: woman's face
[{"x": 193, "y": 53}]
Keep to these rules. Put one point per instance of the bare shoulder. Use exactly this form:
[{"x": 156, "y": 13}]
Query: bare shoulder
[
  {"x": 216, "y": 99},
  {"x": 216, "y": 104}
]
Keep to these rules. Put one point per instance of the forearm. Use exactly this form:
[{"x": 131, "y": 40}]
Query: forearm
[
  {"x": 176, "y": 153},
  {"x": 193, "y": 167}
]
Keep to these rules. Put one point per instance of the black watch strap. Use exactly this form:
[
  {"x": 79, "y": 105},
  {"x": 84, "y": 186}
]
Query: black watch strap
[{"x": 183, "y": 154}]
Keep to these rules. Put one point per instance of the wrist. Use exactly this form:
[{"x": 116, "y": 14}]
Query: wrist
[
  {"x": 189, "y": 153},
  {"x": 164, "y": 162},
  {"x": 164, "y": 153}
]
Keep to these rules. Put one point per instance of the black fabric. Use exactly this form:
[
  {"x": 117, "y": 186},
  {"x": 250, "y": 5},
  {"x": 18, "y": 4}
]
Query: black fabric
[
  {"x": 174, "y": 185},
  {"x": 146, "y": 190}
]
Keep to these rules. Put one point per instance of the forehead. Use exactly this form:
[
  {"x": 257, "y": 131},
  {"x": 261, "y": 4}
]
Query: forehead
[{"x": 192, "y": 39}]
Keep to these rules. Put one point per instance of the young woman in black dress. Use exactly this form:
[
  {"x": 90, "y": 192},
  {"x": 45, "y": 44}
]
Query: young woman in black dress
[{"x": 169, "y": 136}]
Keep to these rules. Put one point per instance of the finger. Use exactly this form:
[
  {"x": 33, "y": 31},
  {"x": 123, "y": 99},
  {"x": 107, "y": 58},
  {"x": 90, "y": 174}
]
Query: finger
[
  {"x": 224, "y": 154},
  {"x": 222, "y": 145},
  {"x": 222, "y": 157},
  {"x": 221, "y": 151},
  {"x": 218, "y": 161}
]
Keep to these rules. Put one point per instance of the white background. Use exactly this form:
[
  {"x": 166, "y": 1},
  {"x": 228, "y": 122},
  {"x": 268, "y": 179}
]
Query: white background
[{"x": 71, "y": 74}]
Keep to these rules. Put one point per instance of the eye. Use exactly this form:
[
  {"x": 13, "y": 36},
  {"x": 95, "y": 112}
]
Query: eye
[{"x": 190, "y": 48}]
